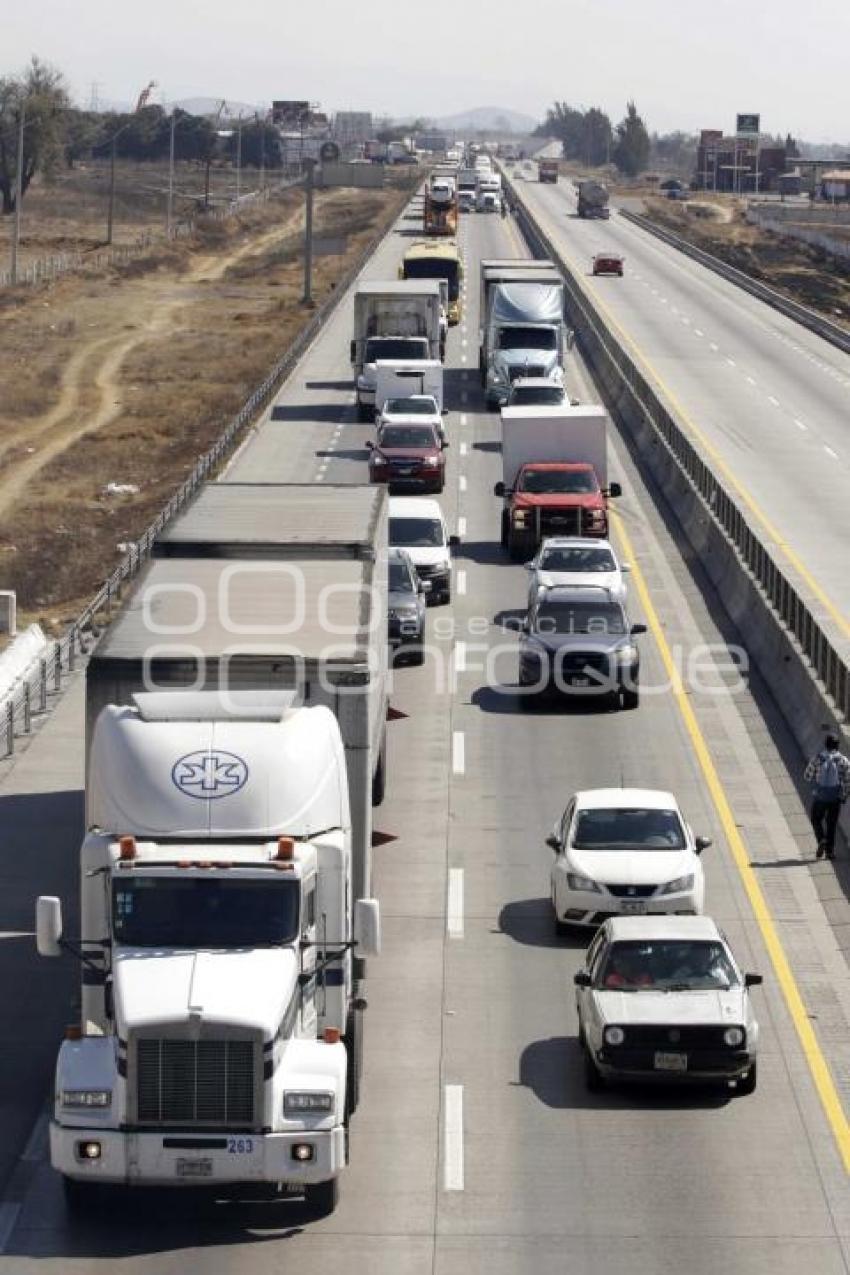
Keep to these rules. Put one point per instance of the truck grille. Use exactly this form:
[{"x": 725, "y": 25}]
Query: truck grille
[
  {"x": 560, "y": 522},
  {"x": 189, "y": 1082},
  {"x": 532, "y": 369}
]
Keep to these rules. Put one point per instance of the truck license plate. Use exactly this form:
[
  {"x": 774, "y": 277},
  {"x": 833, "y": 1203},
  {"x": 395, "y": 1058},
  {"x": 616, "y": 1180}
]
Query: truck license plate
[
  {"x": 200, "y": 1167},
  {"x": 634, "y": 906},
  {"x": 579, "y": 681},
  {"x": 671, "y": 1062}
]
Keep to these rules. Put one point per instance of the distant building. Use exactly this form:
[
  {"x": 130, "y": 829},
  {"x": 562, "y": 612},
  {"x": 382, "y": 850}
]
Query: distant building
[
  {"x": 352, "y": 128},
  {"x": 436, "y": 143},
  {"x": 835, "y": 184},
  {"x": 737, "y": 164}
]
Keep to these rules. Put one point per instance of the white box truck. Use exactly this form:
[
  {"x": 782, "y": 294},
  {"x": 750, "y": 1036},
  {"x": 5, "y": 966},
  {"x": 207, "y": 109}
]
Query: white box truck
[
  {"x": 392, "y": 321},
  {"x": 219, "y": 1040},
  {"x": 400, "y": 380}
]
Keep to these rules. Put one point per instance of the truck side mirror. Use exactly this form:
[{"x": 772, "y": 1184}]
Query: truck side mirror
[
  {"x": 637, "y": 628},
  {"x": 753, "y": 980},
  {"x": 454, "y": 542},
  {"x": 353, "y": 351},
  {"x": 553, "y": 843},
  {"x": 370, "y": 446},
  {"x": 625, "y": 567},
  {"x": 48, "y": 925},
  {"x": 367, "y": 927},
  {"x": 424, "y": 587},
  {"x": 614, "y": 489},
  {"x": 499, "y": 489},
  {"x": 445, "y": 443},
  {"x": 581, "y": 978},
  {"x": 571, "y": 338}
]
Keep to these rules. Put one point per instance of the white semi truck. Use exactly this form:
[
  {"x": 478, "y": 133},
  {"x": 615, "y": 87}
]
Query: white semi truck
[
  {"x": 523, "y": 332},
  {"x": 393, "y": 321},
  {"x": 218, "y": 1042}
]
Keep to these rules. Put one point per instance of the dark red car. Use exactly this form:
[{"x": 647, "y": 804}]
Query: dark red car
[
  {"x": 608, "y": 263},
  {"x": 408, "y": 458}
]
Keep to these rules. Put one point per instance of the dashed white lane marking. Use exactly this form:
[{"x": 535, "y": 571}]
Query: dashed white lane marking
[
  {"x": 830, "y": 452},
  {"x": 9, "y": 1210},
  {"x": 686, "y": 320},
  {"x": 774, "y": 401},
  {"x": 464, "y": 341},
  {"x": 800, "y": 424},
  {"x": 714, "y": 346},
  {"x": 458, "y": 753},
  {"x": 461, "y": 526},
  {"x": 460, "y": 657},
  {"x": 454, "y": 904},
  {"x": 461, "y": 582},
  {"x": 463, "y": 449},
  {"x": 463, "y": 358},
  {"x": 697, "y": 332},
  {"x": 731, "y": 362},
  {"x": 751, "y": 380},
  {"x": 463, "y": 418},
  {"x": 453, "y": 1138},
  {"x": 461, "y": 483}
]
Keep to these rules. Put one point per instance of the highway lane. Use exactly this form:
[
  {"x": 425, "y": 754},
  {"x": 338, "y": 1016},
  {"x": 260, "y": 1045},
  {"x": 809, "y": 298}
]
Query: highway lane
[
  {"x": 476, "y": 1147},
  {"x": 768, "y": 397}
]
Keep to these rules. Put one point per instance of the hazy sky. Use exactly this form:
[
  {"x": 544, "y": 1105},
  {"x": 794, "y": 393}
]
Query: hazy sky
[{"x": 687, "y": 65}]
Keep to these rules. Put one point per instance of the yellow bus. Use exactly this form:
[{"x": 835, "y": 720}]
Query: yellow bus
[{"x": 430, "y": 260}]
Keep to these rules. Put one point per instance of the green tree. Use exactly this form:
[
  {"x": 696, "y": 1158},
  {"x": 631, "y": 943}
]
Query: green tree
[
  {"x": 631, "y": 152},
  {"x": 597, "y": 137},
  {"x": 40, "y": 92}
]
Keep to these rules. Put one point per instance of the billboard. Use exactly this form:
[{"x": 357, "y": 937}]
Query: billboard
[
  {"x": 748, "y": 125},
  {"x": 290, "y": 115}
]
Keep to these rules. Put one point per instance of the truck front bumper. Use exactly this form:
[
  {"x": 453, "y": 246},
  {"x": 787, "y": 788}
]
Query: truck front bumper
[{"x": 181, "y": 1159}]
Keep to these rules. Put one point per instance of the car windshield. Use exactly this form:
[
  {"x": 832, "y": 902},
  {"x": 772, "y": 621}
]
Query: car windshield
[
  {"x": 560, "y": 482},
  {"x": 400, "y": 581},
  {"x": 667, "y": 965},
  {"x": 399, "y": 348},
  {"x": 203, "y": 911},
  {"x": 417, "y": 533},
  {"x": 577, "y": 558},
  {"x": 422, "y": 405},
  {"x": 628, "y": 828},
  {"x": 435, "y": 268},
  {"x": 407, "y": 436},
  {"x": 527, "y": 338},
  {"x": 537, "y": 396},
  {"x": 594, "y": 618}
]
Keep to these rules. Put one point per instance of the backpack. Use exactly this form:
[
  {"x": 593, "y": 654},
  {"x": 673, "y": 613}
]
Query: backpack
[{"x": 827, "y": 778}]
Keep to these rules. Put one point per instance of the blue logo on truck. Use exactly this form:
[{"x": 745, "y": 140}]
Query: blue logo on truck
[{"x": 209, "y": 775}]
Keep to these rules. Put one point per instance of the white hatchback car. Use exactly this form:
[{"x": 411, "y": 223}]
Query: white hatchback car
[
  {"x": 663, "y": 998},
  {"x": 624, "y": 852},
  {"x": 576, "y": 560}
]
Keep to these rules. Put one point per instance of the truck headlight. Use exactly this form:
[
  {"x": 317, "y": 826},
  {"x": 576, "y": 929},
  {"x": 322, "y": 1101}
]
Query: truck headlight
[
  {"x": 302, "y": 1103},
  {"x": 613, "y": 1035},
  {"x": 625, "y": 654},
  {"x": 576, "y": 882},
  {"x": 432, "y": 461},
  {"x": 520, "y": 517},
  {"x": 680, "y": 884},
  {"x": 734, "y": 1036},
  {"x": 81, "y": 1098}
]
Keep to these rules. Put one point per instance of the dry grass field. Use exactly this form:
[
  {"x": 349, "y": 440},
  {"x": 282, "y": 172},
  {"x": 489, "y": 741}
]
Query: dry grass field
[{"x": 126, "y": 376}]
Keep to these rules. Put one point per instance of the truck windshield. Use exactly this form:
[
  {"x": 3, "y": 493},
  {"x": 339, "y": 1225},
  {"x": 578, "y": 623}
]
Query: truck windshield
[
  {"x": 378, "y": 347},
  {"x": 558, "y": 482},
  {"x": 523, "y": 338},
  {"x": 435, "y": 268},
  {"x": 416, "y": 405},
  {"x": 203, "y": 911},
  {"x": 592, "y": 618},
  {"x": 537, "y": 396},
  {"x": 416, "y": 533}
]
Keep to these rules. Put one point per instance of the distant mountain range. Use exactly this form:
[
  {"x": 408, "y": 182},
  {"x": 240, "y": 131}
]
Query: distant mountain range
[{"x": 489, "y": 118}]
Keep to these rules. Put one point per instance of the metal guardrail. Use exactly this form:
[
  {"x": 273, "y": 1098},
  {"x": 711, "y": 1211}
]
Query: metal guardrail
[
  {"x": 832, "y": 332},
  {"x": 37, "y": 691},
  {"x": 601, "y": 347}
]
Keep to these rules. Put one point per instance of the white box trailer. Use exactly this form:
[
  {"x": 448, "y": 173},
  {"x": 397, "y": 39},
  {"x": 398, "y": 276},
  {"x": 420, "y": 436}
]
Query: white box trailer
[
  {"x": 394, "y": 321},
  {"x": 567, "y": 435},
  {"x": 268, "y": 587},
  {"x": 400, "y": 380}
]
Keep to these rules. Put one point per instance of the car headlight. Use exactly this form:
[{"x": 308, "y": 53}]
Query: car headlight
[
  {"x": 404, "y": 613},
  {"x": 499, "y": 373},
  {"x": 297, "y": 1103},
  {"x": 87, "y": 1098},
  {"x": 679, "y": 885},
  {"x": 378, "y": 460},
  {"x": 577, "y": 882},
  {"x": 734, "y": 1036},
  {"x": 626, "y": 654},
  {"x": 613, "y": 1035},
  {"x": 432, "y": 460}
]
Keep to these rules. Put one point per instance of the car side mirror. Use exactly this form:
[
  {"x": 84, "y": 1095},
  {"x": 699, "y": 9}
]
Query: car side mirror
[
  {"x": 614, "y": 490},
  {"x": 454, "y": 542},
  {"x": 370, "y": 446},
  {"x": 528, "y": 566},
  {"x": 499, "y": 489},
  {"x": 445, "y": 443},
  {"x": 636, "y": 629},
  {"x": 581, "y": 978},
  {"x": 445, "y": 411},
  {"x": 753, "y": 980},
  {"x": 702, "y": 843},
  {"x": 553, "y": 843},
  {"x": 48, "y": 925},
  {"x": 625, "y": 567}
]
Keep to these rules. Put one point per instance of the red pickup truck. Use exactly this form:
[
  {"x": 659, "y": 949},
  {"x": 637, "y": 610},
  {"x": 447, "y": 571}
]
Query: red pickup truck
[{"x": 550, "y": 499}]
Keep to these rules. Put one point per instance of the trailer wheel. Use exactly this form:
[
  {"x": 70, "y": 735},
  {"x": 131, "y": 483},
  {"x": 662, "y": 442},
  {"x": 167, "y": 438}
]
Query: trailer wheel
[
  {"x": 353, "y": 1041},
  {"x": 322, "y": 1198},
  {"x": 379, "y": 779}
]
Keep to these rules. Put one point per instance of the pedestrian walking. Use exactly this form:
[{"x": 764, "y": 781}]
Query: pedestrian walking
[{"x": 829, "y": 774}]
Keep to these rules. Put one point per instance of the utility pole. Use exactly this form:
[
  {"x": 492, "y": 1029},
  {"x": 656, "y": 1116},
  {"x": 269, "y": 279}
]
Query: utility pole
[
  {"x": 262, "y": 124},
  {"x": 307, "y": 299},
  {"x": 239, "y": 160},
  {"x": 19, "y": 190},
  {"x": 110, "y": 217},
  {"x": 170, "y": 175}
]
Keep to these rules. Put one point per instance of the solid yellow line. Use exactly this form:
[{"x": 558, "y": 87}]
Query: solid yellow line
[
  {"x": 818, "y": 1066},
  {"x": 751, "y": 504}
]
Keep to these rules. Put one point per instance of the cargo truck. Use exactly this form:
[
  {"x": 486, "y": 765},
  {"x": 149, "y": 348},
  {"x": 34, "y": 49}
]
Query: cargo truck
[
  {"x": 219, "y": 1041},
  {"x": 554, "y": 475},
  {"x": 400, "y": 380},
  {"x": 439, "y": 206},
  {"x": 392, "y": 321},
  {"x": 523, "y": 330},
  {"x": 441, "y": 260},
  {"x": 547, "y": 170},
  {"x": 593, "y": 200}
]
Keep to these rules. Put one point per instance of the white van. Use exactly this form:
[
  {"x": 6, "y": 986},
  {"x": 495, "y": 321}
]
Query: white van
[{"x": 417, "y": 525}]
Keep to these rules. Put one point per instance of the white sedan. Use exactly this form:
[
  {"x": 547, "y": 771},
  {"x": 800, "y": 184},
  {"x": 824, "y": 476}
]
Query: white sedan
[
  {"x": 624, "y": 852},
  {"x": 663, "y": 998},
  {"x": 576, "y": 560},
  {"x": 415, "y": 409}
]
